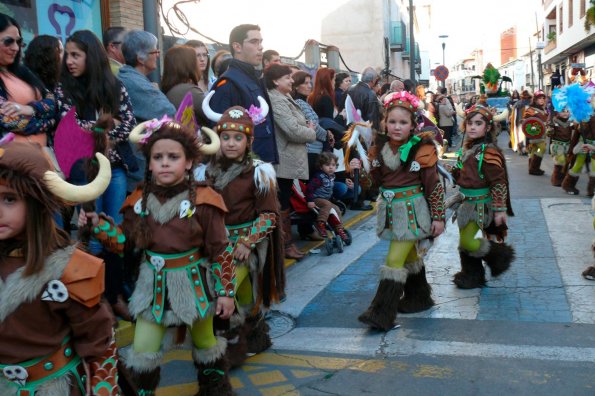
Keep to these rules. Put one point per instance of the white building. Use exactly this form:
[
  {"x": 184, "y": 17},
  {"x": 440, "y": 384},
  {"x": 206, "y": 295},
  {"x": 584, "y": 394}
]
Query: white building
[{"x": 568, "y": 44}]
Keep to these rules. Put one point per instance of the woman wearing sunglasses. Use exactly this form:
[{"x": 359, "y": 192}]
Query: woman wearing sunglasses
[{"x": 26, "y": 106}]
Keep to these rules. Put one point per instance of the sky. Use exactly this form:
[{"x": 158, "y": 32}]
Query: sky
[{"x": 287, "y": 24}]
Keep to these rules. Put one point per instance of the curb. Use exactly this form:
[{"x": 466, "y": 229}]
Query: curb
[{"x": 125, "y": 330}]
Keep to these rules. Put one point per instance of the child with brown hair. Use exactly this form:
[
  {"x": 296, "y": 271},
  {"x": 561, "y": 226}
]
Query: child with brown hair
[
  {"x": 186, "y": 276},
  {"x": 54, "y": 329},
  {"x": 319, "y": 193}
]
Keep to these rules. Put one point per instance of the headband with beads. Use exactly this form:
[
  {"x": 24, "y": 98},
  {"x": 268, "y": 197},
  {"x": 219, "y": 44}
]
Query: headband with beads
[{"x": 401, "y": 99}]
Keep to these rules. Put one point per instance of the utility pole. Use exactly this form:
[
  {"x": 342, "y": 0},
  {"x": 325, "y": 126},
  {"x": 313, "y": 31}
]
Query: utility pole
[
  {"x": 411, "y": 45},
  {"x": 531, "y": 61}
]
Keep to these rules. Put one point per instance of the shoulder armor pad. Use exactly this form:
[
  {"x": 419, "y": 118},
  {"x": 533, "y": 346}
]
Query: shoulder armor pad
[
  {"x": 426, "y": 155},
  {"x": 207, "y": 196},
  {"x": 132, "y": 199},
  {"x": 84, "y": 278},
  {"x": 493, "y": 156}
]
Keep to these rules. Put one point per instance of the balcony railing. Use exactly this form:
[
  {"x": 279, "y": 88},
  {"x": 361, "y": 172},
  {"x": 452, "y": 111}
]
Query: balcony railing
[{"x": 551, "y": 45}]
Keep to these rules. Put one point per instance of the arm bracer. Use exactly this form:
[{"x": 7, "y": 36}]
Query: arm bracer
[
  {"x": 224, "y": 270},
  {"x": 499, "y": 193},
  {"x": 436, "y": 203},
  {"x": 261, "y": 227},
  {"x": 110, "y": 235}
]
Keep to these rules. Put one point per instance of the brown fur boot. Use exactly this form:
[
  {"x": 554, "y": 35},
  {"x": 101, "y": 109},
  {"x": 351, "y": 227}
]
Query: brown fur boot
[
  {"x": 557, "y": 176},
  {"x": 417, "y": 295},
  {"x": 535, "y": 166},
  {"x": 236, "y": 351},
  {"x": 472, "y": 274},
  {"x": 257, "y": 334},
  {"x": 382, "y": 311},
  {"x": 497, "y": 256},
  {"x": 213, "y": 369},
  {"x": 141, "y": 372},
  {"x": 569, "y": 184},
  {"x": 591, "y": 186}
]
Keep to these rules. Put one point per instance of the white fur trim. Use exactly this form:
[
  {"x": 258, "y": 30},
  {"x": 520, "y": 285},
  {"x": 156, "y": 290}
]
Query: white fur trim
[
  {"x": 392, "y": 161},
  {"x": 265, "y": 177},
  {"x": 141, "y": 362},
  {"x": 484, "y": 248},
  {"x": 17, "y": 289},
  {"x": 210, "y": 355},
  {"x": 163, "y": 213},
  {"x": 394, "y": 274}
]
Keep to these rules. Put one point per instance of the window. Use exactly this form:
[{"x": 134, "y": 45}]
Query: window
[
  {"x": 561, "y": 27},
  {"x": 570, "y": 13},
  {"x": 583, "y": 8}
]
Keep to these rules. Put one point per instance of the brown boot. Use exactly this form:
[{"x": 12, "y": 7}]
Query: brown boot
[
  {"x": 141, "y": 371},
  {"x": 569, "y": 184},
  {"x": 382, "y": 311},
  {"x": 213, "y": 370},
  {"x": 591, "y": 186},
  {"x": 557, "y": 176},
  {"x": 534, "y": 166},
  {"x": 291, "y": 251}
]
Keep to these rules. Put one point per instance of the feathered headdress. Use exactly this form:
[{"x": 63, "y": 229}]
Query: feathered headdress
[
  {"x": 576, "y": 99},
  {"x": 490, "y": 78},
  {"x": 358, "y": 134}
]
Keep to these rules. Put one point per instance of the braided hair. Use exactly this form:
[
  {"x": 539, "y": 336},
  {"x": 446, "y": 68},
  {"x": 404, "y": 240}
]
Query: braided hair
[{"x": 191, "y": 145}]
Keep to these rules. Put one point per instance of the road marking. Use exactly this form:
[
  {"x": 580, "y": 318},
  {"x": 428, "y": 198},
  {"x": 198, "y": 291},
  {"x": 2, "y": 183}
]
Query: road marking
[{"x": 397, "y": 343}]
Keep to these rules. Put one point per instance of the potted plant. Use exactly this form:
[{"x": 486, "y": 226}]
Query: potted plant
[{"x": 551, "y": 36}]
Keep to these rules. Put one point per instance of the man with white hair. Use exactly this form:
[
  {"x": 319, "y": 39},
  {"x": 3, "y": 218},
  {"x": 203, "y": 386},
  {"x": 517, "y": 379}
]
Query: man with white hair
[{"x": 364, "y": 98}]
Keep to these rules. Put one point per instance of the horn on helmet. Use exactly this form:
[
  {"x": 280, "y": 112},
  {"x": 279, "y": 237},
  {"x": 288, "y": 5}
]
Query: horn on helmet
[
  {"x": 138, "y": 132},
  {"x": 72, "y": 193},
  {"x": 460, "y": 111},
  {"x": 213, "y": 147},
  {"x": 264, "y": 107},
  {"x": 206, "y": 108},
  {"x": 501, "y": 117}
]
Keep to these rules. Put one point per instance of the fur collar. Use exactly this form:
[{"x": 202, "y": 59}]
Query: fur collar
[
  {"x": 164, "y": 212},
  {"x": 223, "y": 177},
  {"x": 390, "y": 159},
  {"x": 18, "y": 289}
]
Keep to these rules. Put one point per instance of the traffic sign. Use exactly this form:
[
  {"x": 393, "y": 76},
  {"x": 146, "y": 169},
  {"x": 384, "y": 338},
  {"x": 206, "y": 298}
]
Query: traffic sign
[{"x": 441, "y": 73}]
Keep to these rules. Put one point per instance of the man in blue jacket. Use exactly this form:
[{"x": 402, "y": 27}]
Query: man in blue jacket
[{"x": 241, "y": 85}]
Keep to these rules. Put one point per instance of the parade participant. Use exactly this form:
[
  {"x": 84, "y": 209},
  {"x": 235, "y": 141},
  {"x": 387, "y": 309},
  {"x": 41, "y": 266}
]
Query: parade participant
[
  {"x": 410, "y": 210},
  {"x": 54, "y": 330},
  {"x": 534, "y": 120},
  {"x": 186, "y": 277},
  {"x": 561, "y": 133},
  {"x": 481, "y": 174},
  {"x": 249, "y": 190},
  {"x": 576, "y": 99},
  {"x": 319, "y": 193}
]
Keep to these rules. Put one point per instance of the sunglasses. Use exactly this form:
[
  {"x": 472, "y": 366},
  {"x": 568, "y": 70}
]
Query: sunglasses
[{"x": 8, "y": 41}]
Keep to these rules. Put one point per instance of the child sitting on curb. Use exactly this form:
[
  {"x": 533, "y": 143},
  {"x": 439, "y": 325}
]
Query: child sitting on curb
[{"x": 319, "y": 193}]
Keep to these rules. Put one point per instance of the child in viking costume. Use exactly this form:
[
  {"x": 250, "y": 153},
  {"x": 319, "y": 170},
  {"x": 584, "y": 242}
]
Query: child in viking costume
[
  {"x": 562, "y": 130},
  {"x": 56, "y": 337},
  {"x": 576, "y": 99},
  {"x": 410, "y": 210},
  {"x": 535, "y": 118},
  {"x": 481, "y": 174},
  {"x": 249, "y": 190},
  {"x": 186, "y": 276}
]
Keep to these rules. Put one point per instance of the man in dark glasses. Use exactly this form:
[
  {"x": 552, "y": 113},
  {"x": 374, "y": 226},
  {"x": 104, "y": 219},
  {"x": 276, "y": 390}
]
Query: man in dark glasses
[{"x": 112, "y": 42}]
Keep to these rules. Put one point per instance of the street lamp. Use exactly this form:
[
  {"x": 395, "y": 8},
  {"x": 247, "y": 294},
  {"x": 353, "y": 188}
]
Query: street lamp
[{"x": 443, "y": 37}]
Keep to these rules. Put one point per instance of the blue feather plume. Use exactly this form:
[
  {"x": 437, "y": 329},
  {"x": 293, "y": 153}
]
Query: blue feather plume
[{"x": 575, "y": 99}]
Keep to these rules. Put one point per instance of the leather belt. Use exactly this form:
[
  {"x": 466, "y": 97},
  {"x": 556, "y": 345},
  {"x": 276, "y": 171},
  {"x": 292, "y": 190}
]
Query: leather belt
[{"x": 187, "y": 261}]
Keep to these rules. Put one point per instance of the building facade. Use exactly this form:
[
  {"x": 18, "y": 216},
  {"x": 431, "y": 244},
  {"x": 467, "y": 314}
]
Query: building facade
[{"x": 61, "y": 18}]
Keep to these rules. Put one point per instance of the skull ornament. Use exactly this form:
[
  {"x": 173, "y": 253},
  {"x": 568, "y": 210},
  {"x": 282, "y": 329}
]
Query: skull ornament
[
  {"x": 16, "y": 374},
  {"x": 478, "y": 156},
  {"x": 158, "y": 262},
  {"x": 236, "y": 113},
  {"x": 138, "y": 207},
  {"x": 388, "y": 195},
  {"x": 185, "y": 209},
  {"x": 415, "y": 166},
  {"x": 55, "y": 291}
]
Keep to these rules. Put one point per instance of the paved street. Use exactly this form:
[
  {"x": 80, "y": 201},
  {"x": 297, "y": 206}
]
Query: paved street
[{"x": 529, "y": 332}]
